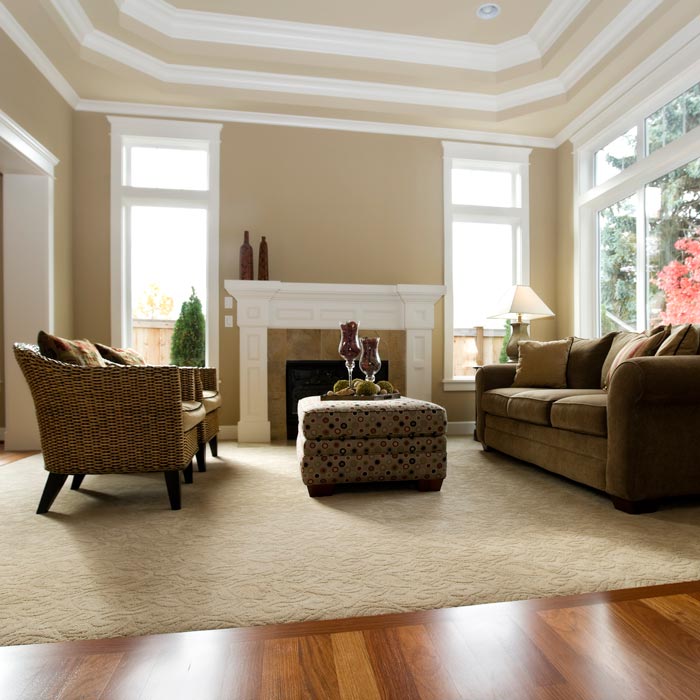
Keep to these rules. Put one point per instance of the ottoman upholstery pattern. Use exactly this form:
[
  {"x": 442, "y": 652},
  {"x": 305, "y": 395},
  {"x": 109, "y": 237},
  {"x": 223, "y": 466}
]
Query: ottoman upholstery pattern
[{"x": 368, "y": 441}]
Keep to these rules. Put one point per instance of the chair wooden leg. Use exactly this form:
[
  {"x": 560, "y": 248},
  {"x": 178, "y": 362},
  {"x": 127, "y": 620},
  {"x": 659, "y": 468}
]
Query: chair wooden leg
[
  {"x": 202, "y": 457},
  {"x": 214, "y": 444},
  {"x": 54, "y": 483},
  {"x": 77, "y": 480},
  {"x": 635, "y": 507},
  {"x": 187, "y": 473},
  {"x": 172, "y": 481}
]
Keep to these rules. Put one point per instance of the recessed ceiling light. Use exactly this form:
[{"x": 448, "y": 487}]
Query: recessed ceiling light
[{"x": 488, "y": 10}]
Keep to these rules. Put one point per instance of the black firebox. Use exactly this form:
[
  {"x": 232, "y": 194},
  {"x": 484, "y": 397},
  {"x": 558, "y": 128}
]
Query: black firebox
[{"x": 313, "y": 378}]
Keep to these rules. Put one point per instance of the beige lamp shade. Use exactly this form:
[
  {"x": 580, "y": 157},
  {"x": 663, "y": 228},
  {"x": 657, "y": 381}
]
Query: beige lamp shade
[{"x": 521, "y": 303}]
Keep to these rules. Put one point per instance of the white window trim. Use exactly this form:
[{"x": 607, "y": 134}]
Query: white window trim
[
  {"x": 124, "y": 129},
  {"x": 589, "y": 199},
  {"x": 489, "y": 156}
]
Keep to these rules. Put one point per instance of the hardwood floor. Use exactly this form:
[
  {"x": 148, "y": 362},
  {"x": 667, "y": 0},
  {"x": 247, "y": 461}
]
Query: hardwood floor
[{"x": 636, "y": 644}]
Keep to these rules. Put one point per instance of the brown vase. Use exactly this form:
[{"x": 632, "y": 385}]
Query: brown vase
[
  {"x": 263, "y": 268},
  {"x": 246, "y": 258}
]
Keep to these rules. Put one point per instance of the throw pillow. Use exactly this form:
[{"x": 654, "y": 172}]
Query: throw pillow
[
  {"x": 641, "y": 346},
  {"x": 74, "y": 352},
  {"x": 586, "y": 361},
  {"x": 542, "y": 364},
  {"x": 122, "y": 356},
  {"x": 684, "y": 340},
  {"x": 619, "y": 341}
]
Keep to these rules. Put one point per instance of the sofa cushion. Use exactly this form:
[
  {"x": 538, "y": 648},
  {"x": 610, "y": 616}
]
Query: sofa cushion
[
  {"x": 211, "y": 400},
  {"x": 586, "y": 359},
  {"x": 542, "y": 364},
  {"x": 582, "y": 414},
  {"x": 640, "y": 346},
  {"x": 495, "y": 401},
  {"x": 683, "y": 340},
  {"x": 192, "y": 414},
  {"x": 120, "y": 356},
  {"x": 73, "y": 352},
  {"x": 535, "y": 405}
]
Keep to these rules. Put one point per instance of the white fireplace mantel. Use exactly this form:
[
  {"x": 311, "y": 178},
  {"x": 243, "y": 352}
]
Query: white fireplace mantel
[{"x": 267, "y": 304}]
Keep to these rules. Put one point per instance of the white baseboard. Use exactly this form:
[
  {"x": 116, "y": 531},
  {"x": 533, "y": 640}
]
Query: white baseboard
[
  {"x": 465, "y": 427},
  {"x": 228, "y": 432}
]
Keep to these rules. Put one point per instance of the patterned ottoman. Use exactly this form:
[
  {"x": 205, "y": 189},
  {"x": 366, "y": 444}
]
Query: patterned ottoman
[{"x": 344, "y": 442}]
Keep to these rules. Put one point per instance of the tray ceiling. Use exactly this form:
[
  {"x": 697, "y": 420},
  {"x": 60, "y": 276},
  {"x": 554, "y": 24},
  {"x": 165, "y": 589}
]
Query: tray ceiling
[{"x": 530, "y": 71}]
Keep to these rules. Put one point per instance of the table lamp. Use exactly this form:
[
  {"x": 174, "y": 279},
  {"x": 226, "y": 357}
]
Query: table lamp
[{"x": 519, "y": 303}]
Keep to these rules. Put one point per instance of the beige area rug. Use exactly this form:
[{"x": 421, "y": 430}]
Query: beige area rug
[{"x": 250, "y": 547}]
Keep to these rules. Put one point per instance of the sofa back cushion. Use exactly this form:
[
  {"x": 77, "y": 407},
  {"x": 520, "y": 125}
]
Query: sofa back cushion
[
  {"x": 542, "y": 364},
  {"x": 683, "y": 340},
  {"x": 586, "y": 359}
]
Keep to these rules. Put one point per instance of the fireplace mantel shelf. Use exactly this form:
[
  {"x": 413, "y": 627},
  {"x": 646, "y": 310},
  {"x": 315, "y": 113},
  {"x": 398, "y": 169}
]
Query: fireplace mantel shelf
[{"x": 297, "y": 305}]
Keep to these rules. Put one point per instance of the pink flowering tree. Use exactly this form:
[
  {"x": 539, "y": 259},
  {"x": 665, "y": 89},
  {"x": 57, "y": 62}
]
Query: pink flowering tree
[{"x": 680, "y": 282}]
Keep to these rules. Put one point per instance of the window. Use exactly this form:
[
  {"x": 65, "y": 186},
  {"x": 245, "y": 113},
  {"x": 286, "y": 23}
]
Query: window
[
  {"x": 164, "y": 231},
  {"x": 616, "y": 156},
  {"x": 639, "y": 234},
  {"x": 486, "y": 250},
  {"x": 674, "y": 119}
]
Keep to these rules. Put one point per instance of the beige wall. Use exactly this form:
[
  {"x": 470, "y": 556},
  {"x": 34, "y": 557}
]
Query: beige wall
[
  {"x": 334, "y": 206},
  {"x": 565, "y": 226},
  {"x": 28, "y": 98}
]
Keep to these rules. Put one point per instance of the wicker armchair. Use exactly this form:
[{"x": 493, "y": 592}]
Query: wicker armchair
[
  {"x": 207, "y": 391},
  {"x": 112, "y": 420}
]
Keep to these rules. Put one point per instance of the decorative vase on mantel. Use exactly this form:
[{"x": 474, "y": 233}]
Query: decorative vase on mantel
[
  {"x": 263, "y": 265},
  {"x": 246, "y": 258}
]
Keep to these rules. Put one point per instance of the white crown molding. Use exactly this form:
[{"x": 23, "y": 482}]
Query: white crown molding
[
  {"x": 612, "y": 34},
  {"x": 196, "y": 25},
  {"x": 26, "y": 145},
  {"x": 29, "y": 48},
  {"x": 117, "y": 50},
  {"x": 668, "y": 61},
  {"x": 554, "y": 21},
  {"x": 219, "y": 28},
  {"x": 290, "y": 120},
  {"x": 105, "y": 45}
]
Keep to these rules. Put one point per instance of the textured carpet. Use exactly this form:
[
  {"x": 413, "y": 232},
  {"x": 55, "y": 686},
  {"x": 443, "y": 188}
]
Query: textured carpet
[{"x": 250, "y": 547}]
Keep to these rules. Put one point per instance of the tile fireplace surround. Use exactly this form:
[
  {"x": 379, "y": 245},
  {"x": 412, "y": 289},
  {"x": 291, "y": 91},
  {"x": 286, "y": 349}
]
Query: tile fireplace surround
[{"x": 292, "y": 305}]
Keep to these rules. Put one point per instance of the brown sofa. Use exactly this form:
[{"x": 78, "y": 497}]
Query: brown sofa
[{"x": 637, "y": 440}]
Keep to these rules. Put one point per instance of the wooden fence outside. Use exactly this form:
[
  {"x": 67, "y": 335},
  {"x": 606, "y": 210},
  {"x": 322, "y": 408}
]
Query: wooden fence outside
[{"x": 152, "y": 339}]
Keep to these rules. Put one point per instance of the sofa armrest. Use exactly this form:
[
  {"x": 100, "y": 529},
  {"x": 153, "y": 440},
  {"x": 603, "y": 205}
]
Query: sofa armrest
[
  {"x": 653, "y": 424},
  {"x": 490, "y": 377}
]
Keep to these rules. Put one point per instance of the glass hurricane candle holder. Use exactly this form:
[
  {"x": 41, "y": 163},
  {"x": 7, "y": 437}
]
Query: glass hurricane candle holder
[
  {"x": 349, "y": 348},
  {"x": 370, "y": 362}
]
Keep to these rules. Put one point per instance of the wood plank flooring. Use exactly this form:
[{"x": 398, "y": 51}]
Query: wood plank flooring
[{"x": 635, "y": 644}]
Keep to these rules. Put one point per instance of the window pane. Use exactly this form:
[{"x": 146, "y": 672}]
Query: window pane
[
  {"x": 482, "y": 270},
  {"x": 168, "y": 258},
  {"x": 672, "y": 206},
  {"x": 168, "y": 168},
  {"x": 617, "y": 240},
  {"x": 487, "y": 188},
  {"x": 674, "y": 119},
  {"x": 616, "y": 156}
]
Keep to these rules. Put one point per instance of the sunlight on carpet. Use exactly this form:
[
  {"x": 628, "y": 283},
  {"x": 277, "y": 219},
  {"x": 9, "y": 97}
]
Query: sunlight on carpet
[{"x": 249, "y": 546}]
